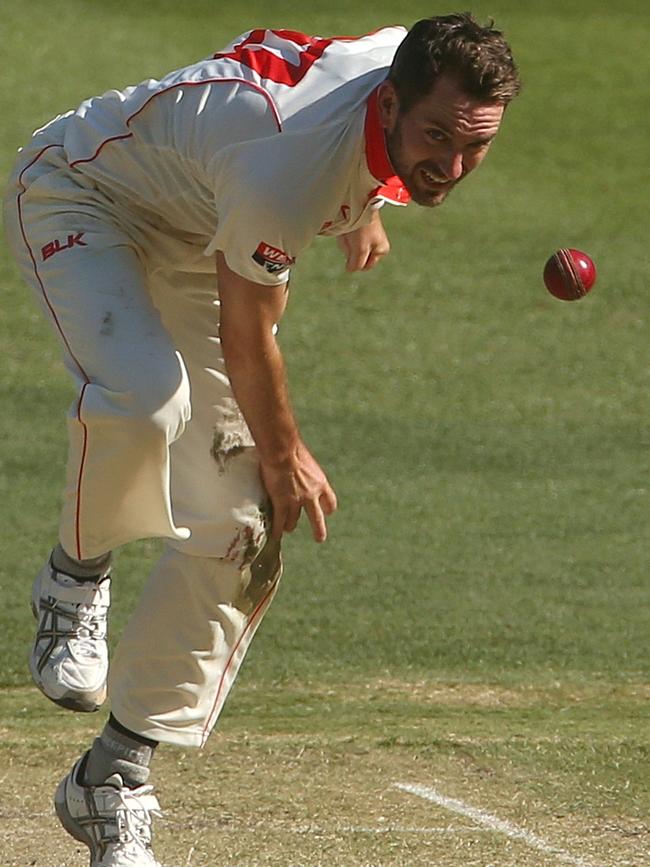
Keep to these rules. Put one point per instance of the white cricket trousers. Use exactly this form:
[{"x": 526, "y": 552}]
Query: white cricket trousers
[{"x": 157, "y": 444}]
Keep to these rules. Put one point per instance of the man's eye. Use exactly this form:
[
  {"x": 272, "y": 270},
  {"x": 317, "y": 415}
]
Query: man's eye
[{"x": 435, "y": 134}]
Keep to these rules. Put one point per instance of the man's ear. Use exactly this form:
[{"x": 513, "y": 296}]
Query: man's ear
[{"x": 388, "y": 104}]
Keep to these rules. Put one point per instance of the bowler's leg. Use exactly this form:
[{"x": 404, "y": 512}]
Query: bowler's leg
[
  {"x": 132, "y": 402},
  {"x": 184, "y": 644}
]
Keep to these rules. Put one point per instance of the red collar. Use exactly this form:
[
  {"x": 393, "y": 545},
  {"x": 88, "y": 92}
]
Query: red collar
[{"x": 391, "y": 188}]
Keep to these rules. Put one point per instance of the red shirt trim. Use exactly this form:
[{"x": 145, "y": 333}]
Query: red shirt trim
[
  {"x": 253, "y": 53},
  {"x": 391, "y": 187}
]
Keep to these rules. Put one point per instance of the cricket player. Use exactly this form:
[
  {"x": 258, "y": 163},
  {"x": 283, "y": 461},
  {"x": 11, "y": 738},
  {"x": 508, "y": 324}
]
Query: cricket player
[{"x": 157, "y": 226}]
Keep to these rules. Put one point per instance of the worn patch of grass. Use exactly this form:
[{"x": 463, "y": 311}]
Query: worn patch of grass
[{"x": 304, "y": 775}]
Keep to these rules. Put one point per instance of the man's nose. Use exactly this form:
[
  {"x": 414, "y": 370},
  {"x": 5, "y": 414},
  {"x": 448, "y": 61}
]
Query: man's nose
[{"x": 452, "y": 165}]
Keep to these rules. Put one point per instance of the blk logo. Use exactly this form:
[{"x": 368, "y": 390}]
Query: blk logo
[{"x": 57, "y": 246}]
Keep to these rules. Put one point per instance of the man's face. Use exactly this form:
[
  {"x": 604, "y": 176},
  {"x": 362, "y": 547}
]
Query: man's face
[{"x": 439, "y": 140}]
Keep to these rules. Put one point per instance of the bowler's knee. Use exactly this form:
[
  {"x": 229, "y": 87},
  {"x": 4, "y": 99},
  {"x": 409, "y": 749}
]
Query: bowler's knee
[
  {"x": 167, "y": 407},
  {"x": 156, "y": 404}
]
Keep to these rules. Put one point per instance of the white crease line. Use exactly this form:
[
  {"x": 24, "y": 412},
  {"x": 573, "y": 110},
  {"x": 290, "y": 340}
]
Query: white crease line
[{"x": 492, "y": 822}]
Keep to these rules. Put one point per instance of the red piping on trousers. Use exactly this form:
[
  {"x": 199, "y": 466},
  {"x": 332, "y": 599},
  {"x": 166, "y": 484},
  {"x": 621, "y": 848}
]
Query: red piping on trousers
[
  {"x": 82, "y": 464},
  {"x": 31, "y": 256},
  {"x": 254, "y": 616},
  {"x": 65, "y": 342}
]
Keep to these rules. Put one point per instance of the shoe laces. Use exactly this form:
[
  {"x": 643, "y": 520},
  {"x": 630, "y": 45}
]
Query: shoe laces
[
  {"x": 86, "y": 621},
  {"x": 129, "y": 830}
]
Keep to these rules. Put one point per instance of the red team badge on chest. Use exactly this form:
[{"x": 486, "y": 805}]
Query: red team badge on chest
[{"x": 272, "y": 258}]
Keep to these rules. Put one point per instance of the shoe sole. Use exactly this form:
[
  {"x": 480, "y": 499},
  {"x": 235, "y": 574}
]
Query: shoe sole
[{"x": 68, "y": 702}]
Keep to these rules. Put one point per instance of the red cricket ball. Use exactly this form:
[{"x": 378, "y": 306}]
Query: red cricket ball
[{"x": 569, "y": 274}]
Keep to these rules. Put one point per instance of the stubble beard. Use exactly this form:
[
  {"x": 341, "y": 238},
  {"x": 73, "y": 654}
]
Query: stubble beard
[{"x": 418, "y": 192}]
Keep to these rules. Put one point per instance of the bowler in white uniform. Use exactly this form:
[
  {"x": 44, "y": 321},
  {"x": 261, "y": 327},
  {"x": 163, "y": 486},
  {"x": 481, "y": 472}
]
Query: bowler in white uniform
[{"x": 157, "y": 226}]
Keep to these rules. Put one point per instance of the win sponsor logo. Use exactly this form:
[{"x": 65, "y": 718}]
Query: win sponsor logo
[
  {"x": 272, "y": 259},
  {"x": 57, "y": 246}
]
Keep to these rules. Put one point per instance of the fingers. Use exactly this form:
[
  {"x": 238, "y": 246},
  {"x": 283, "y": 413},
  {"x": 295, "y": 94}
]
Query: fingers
[
  {"x": 376, "y": 254},
  {"x": 365, "y": 246},
  {"x": 356, "y": 255},
  {"x": 328, "y": 501},
  {"x": 318, "y": 510},
  {"x": 362, "y": 258},
  {"x": 365, "y": 258},
  {"x": 285, "y": 518},
  {"x": 317, "y": 520},
  {"x": 300, "y": 485},
  {"x": 357, "y": 258}
]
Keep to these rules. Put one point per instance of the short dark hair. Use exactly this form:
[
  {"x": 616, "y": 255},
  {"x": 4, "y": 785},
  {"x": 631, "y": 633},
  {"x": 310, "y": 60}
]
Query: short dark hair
[{"x": 457, "y": 45}]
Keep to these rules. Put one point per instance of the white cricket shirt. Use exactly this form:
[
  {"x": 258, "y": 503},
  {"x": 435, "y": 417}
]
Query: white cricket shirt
[{"x": 253, "y": 152}]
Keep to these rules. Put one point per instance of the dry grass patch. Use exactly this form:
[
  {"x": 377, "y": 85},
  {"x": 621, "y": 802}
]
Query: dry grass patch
[{"x": 317, "y": 788}]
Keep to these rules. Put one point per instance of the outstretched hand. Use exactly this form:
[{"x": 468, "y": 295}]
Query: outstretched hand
[{"x": 295, "y": 485}]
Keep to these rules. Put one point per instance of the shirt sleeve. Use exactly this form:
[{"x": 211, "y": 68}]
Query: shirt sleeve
[
  {"x": 273, "y": 196},
  {"x": 258, "y": 239}
]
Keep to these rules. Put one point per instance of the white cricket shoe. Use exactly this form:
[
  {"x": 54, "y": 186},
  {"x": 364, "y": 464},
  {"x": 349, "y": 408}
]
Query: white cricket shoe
[
  {"x": 69, "y": 659},
  {"x": 112, "y": 820}
]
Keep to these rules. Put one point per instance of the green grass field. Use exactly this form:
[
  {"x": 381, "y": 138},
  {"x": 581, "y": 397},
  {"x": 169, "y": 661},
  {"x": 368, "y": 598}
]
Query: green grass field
[{"x": 478, "y": 623}]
